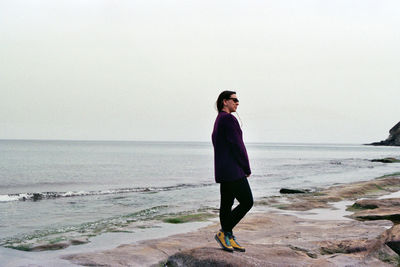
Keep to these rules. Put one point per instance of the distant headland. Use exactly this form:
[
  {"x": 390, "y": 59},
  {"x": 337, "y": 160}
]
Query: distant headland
[{"x": 392, "y": 140}]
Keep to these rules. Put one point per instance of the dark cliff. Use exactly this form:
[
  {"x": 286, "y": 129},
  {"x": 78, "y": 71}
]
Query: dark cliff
[{"x": 393, "y": 139}]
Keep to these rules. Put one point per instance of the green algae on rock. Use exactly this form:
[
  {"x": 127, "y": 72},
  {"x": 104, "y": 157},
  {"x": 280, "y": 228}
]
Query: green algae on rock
[{"x": 184, "y": 218}]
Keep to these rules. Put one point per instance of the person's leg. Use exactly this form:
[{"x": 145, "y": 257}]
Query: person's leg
[
  {"x": 242, "y": 193},
  {"x": 225, "y": 215},
  {"x": 225, "y": 212}
]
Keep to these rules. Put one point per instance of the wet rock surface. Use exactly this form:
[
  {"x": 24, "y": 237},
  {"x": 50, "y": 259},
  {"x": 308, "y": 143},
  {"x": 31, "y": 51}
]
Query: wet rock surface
[{"x": 271, "y": 239}]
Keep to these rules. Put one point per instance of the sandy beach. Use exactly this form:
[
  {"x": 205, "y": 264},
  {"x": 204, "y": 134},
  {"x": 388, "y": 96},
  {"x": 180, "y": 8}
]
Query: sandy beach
[{"x": 294, "y": 230}]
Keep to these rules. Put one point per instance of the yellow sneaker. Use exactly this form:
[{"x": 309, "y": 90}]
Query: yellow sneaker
[
  {"x": 235, "y": 244},
  {"x": 223, "y": 241}
]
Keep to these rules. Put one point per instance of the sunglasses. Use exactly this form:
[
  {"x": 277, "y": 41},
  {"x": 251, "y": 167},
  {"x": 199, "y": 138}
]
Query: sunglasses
[{"x": 234, "y": 99}]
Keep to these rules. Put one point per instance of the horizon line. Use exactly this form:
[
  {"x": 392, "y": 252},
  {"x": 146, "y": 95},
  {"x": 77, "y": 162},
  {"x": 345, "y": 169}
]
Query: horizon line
[{"x": 171, "y": 141}]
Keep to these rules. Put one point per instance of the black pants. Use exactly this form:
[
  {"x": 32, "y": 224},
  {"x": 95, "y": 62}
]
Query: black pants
[{"x": 239, "y": 189}]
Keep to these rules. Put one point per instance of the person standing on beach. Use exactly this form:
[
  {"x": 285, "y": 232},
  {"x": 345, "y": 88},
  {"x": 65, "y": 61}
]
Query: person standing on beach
[{"x": 232, "y": 168}]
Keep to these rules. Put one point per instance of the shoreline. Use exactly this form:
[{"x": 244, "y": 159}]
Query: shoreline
[
  {"x": 119, "y": 243},
  {"x": 106, "y": 241},
  {"x": 273, "y": 237}
]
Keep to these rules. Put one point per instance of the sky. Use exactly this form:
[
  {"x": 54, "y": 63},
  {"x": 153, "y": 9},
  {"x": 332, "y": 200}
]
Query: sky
[{"x": 308, "y": 71}]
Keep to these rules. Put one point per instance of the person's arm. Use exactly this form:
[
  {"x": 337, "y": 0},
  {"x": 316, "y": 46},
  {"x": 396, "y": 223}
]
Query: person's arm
[{"x": 234, "y": 137}]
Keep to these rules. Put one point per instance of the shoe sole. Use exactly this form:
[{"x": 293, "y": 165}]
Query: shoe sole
[
  {"x": 222, "y": 246},
  {"x": 240, "y": 249}
]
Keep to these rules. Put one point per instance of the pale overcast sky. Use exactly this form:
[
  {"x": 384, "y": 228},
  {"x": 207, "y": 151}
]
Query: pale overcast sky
[{"x": 304, "y": 71}]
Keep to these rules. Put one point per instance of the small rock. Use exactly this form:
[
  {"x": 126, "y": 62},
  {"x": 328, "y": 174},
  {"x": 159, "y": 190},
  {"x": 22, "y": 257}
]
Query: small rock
[
  {"x": 386, "y": 160},
  {"x": 37, "y": 196},
  {"x": 291, "y": 191}
]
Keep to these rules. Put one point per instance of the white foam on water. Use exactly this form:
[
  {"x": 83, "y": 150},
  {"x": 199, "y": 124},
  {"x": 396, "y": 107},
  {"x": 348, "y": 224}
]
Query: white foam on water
[{"x": 7, "y": 198}]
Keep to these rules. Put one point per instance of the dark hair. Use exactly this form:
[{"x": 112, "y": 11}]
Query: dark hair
[{"x": 222, "y": 96}]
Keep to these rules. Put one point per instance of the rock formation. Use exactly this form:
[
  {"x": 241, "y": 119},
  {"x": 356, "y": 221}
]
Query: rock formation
[
  {"x": 271, "y": 239},
  {"x": 393, "y": 139},
  {"x": 377, "y": 209},
  {"x": 274, "y": 239}
]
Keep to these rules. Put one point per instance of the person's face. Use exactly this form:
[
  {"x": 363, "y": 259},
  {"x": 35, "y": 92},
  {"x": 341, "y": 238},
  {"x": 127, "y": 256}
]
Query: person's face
[{"x": 232, "y": 103}]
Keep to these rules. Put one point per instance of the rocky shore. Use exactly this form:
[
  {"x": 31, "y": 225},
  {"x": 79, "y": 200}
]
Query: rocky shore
[{"x": 371, "y": 238}]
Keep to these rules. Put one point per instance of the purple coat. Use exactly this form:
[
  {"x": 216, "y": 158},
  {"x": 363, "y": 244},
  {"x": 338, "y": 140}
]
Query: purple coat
[{"x": 230, "y": 156}]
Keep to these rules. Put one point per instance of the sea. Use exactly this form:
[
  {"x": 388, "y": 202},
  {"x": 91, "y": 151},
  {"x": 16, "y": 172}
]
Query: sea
[{"x": 54, "y": 190}]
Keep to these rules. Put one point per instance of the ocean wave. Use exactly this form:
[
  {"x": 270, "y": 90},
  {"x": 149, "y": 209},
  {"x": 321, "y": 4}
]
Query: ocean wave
[
  {"x": 28, "y": 241},
  {"x": 7, "y": 198},
  {"x": 53, "y": 195}
]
